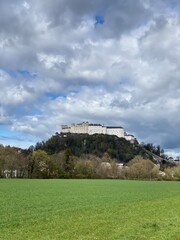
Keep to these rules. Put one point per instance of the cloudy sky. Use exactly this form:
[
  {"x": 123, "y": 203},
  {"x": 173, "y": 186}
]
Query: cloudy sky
[{"x": 111, "y": 62}]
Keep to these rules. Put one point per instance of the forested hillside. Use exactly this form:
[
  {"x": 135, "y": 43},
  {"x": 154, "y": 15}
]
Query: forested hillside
[
  {"x": 97, "y": 144},
  {"x": 84, "y": 156}
]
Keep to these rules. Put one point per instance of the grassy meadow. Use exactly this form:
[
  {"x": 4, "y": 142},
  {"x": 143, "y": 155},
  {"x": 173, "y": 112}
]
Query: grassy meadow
[{"x": 89, "y": 209}]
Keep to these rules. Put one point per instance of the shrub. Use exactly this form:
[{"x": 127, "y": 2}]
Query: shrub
[{"x": 140, "y": 168}]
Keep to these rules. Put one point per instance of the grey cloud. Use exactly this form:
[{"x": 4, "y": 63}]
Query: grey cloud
[
  {"x": 123, "y": 17},
  {"x": 26, "y": 41},
  {"x": 124, "y": 71},
  {"x": 120, "y": 16},
  {"x": 9, "y": 20},
  {"x": 4, "y": 120}
]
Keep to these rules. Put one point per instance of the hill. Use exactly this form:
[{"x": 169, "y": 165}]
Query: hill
[
  {"x": 117, "y": 148},
  {"x": 85, "y": 156}
]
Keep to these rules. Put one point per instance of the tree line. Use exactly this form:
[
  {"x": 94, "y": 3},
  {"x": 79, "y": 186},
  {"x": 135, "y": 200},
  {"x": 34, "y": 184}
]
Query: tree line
[
  {"x": 97, "y": 144},
  {"x": 81, "y": 156}
]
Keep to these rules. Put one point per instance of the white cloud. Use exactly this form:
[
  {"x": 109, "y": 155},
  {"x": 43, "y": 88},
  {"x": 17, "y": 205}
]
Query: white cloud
[
  {"x": 26, "y": 5},
  {"x": 51, "y": 61},
  {"x": 124, "y": 71}
]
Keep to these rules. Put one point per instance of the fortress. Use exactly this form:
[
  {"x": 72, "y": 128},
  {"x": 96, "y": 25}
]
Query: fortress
[{"x": 91, "y": 129}]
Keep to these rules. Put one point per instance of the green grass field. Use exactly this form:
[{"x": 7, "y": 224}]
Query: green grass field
[{"x": 89, "y": 209}]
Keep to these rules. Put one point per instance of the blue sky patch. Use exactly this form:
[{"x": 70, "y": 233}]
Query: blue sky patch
[
  {"x": 99, "y": 20},
  {"x": 54, "y": 96},
  {"x": 21, "y": 73},
  {"x": 34, "y": 112},
  {"x": 26, "y": 74},
  {"x": 64, "y": 95}
]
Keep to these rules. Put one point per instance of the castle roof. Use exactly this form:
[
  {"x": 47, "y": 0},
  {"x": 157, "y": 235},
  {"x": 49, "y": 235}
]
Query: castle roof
[
  {"x": 113, "y": 127},
  {"x": 91, "y": 124}
]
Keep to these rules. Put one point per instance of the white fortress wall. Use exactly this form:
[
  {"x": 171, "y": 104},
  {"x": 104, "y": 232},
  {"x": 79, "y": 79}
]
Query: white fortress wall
[
  {"x": 104, "y": 130},
  {"x": 129, "y": 137},
  {"x": 118, "y": 131},
  {"x": 79, "y": 128},
  {"x": 65, "y": 129},
  {"x": 86, "y": 128},
  {"x": 94, "y": 129}
]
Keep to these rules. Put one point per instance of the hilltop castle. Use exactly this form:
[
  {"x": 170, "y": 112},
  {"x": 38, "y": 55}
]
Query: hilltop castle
[{"x": 91, "y": 129}]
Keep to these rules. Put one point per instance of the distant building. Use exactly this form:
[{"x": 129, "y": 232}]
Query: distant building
[{"x": 91, "y": 129}]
